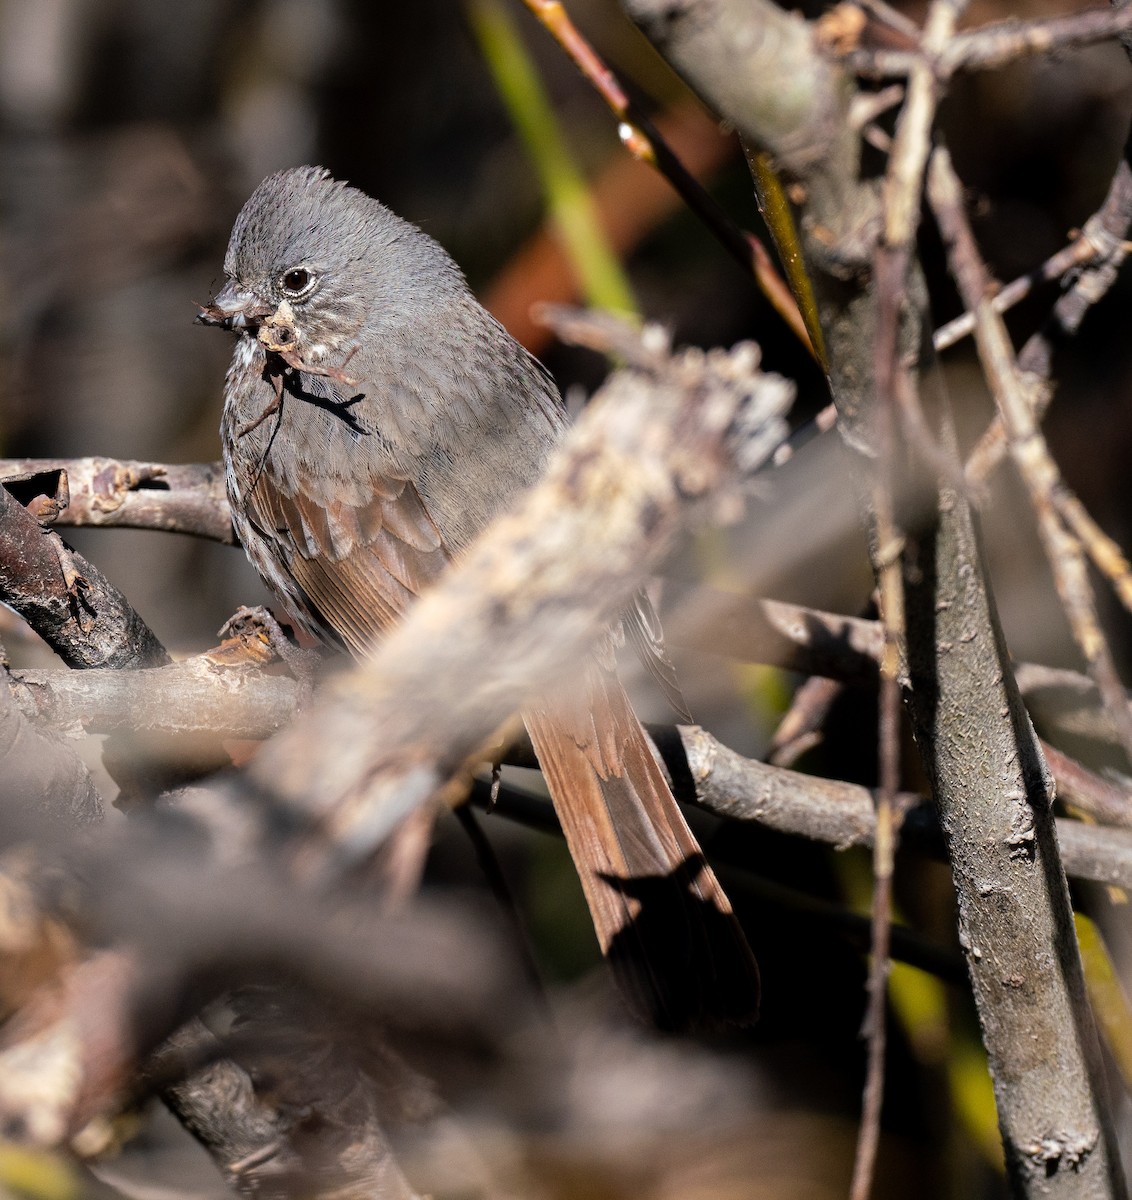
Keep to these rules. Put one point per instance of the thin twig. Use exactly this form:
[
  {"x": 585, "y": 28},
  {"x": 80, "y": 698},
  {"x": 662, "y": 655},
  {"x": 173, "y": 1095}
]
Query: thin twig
[
  {"x": 884, "y": 861},
  {"x": 893, "y": 18},
  {"x": 825, "y": 420},
  {"x": 1106, "y": 554},
  {"x": 1104, "y": 237},
  {"x": 1080, "y": 252},
  {"x": 896, "y": 393},
  {"x": 1106, "y": 802},
  {"x": 995, "y": 45},
  {"x": 1000, "y": 43},
  {"x": 800, "y": 729},
  {"x": 1028, "y": 448},
  {"x": 644, "y": 141}
]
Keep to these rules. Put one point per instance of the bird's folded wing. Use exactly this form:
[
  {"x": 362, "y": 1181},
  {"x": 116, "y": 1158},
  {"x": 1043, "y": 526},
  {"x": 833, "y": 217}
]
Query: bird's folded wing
[{"x": 359, "y": 567}]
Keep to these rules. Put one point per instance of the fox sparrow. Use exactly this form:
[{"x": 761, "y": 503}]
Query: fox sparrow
[{"x": 376, "y": 418}]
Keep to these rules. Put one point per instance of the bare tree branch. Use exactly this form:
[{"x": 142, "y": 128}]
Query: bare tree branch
[
  {"x": 1104, "y": 237},
  {"x": 1000, "y": 43},
  {"x": 65, "y": 599},
  {"x": 181, "y": 498},
  {"x": 198, "y": 695},
  {"x": 843, "y": 814},
  {"x": 979, "y": 748},
  {"x": 996, "y": 44},
  {"x": 338, "y": 1149},
  {"x": 1082, "y": 252},
  {"x": 1087, "y": 791}
]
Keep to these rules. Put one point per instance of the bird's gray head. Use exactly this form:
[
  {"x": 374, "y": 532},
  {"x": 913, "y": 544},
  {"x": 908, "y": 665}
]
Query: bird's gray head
[{"x": 325, "y": 258}]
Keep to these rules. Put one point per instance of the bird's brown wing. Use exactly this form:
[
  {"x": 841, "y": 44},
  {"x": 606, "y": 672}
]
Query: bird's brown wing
[{"x": 358, "y": 566}]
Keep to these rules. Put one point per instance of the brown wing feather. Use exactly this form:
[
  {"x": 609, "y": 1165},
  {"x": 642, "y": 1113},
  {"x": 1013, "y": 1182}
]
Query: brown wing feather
[{"x": 359, "y": 567}]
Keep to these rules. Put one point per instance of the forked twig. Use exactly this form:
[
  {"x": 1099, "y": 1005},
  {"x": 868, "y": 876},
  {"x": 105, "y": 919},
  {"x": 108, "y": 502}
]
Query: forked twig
[
  {"x": 1098, "y": 254},
  {"x": 1081, "y": 251},
  {"x": 1028, "y": 448}
]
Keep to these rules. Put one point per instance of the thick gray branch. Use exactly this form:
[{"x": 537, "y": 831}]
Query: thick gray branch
[
  {"x": 198, "y": 695},
  {"x": 842, "y": 814}
]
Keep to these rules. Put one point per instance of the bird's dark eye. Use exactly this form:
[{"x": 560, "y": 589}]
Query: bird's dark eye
[{"x": 297, "y": 281}]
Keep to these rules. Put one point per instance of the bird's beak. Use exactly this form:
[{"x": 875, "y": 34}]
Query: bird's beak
[{"x": 234, "y": 309}]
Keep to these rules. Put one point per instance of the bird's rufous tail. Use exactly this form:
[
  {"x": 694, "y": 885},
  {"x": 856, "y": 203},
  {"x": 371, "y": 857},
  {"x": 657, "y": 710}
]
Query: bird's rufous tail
[{"x": 661, "y": 917}]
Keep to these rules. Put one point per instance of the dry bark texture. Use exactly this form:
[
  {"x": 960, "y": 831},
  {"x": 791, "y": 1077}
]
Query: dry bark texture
[{"x": 988, "y": 777}]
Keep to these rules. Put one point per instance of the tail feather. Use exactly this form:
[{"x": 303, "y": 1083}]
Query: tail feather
[{"x": 662, "y": 919}]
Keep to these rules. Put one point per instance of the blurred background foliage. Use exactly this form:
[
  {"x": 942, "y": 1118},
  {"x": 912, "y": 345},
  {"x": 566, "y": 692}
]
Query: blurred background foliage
[{"x": 130, "y": 133}]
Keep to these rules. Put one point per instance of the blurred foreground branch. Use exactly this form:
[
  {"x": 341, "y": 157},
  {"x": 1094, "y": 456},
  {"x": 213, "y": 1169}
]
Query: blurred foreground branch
[
  {"x": 244, "y": 701},
  {"x": 671, "y": 438},
  {"x": 667, "y": 438}
]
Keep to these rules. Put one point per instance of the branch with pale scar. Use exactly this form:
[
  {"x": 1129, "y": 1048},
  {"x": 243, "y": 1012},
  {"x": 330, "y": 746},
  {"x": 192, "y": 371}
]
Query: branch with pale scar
[
  {"x": 177, "y": 498},
  {"x": 672, "y": 438}
]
